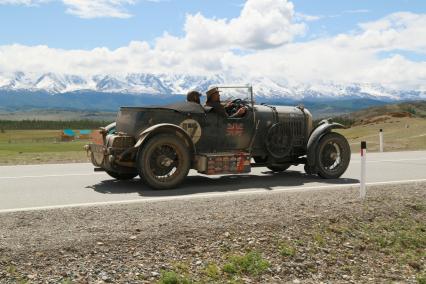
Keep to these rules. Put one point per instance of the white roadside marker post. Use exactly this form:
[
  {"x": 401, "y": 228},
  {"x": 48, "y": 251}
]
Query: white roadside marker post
[
  {"x": 362, "y": 189},
  {"x": 381, "y": 140}
]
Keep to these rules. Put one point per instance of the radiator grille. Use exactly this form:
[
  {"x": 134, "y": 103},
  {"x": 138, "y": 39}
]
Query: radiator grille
[
  {"x": 123, "y": 142},
  {"x": 294, "y": 126},
  {"x": 283, "y": 137}
]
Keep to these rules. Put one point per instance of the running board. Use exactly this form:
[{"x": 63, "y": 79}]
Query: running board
[{"x": 293, "y": 163}]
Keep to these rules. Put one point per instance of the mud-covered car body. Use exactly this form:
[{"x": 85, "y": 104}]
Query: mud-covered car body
[{"x": 273, "y": 136}]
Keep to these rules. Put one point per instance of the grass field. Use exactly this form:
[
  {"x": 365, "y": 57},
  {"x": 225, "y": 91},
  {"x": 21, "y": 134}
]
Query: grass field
[
  {"x": 38, "y": 146},
  {"x": 400, "y": 134}
]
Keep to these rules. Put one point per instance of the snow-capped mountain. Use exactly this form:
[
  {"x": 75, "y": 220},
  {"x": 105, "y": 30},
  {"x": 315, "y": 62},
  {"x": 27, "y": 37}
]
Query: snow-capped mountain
[{"x": 165, "y": 84}]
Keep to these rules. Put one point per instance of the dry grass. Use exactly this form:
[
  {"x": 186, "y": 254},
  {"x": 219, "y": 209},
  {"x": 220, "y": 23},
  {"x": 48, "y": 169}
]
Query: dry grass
[
  {"x": 400, "y": 134},
  {"x": 38, "y": 147}
]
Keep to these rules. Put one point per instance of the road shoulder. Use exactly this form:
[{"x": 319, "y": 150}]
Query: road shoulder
[{"x": 287, "y": 236}]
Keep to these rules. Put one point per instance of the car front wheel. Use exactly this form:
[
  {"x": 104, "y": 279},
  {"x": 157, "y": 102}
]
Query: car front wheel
[
  {"x": 164, "y": 161},
  {"x": 333, "y": 155}
]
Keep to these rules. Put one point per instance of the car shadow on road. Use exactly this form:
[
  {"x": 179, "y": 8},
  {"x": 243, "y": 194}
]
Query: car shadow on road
[{"x": 207, "y": 184}]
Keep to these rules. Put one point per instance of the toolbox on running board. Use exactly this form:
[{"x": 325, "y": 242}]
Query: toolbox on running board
[{"x": 223, "y": 163}]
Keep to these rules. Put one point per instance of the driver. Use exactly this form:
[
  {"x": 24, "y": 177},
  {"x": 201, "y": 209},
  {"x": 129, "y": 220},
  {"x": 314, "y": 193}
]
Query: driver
[{"x": 213, "y": 100}]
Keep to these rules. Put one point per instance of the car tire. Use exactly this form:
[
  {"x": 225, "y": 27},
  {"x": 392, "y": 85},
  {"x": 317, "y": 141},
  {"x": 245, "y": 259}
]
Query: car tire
[
  {"x": 332, "y": 156},
  {"x": 260, "y": 160},
  {"x": 309, "y": 170},
  {"x": 122, "y": 176},
  {"x": 164, "y": 161},
  {"x": 278, "y": 168}
]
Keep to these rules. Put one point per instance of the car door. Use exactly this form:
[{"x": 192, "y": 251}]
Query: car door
[
  {"x": 236, "y": 132},
  {"x": 209, "y": 137}
]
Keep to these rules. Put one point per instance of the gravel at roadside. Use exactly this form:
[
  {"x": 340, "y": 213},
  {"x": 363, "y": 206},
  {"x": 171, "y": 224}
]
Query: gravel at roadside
[{"x": 296, "y": 237}]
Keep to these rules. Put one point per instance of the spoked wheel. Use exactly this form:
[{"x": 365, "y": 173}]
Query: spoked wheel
[
  {"x": 164, "y": 162},
  {"x": 333, "y": 155},
  {"x": 122, "y": 176}
]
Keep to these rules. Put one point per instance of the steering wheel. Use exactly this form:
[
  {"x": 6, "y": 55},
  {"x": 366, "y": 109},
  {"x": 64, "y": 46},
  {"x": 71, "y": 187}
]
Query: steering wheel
[{"x": 235, "y": 106}]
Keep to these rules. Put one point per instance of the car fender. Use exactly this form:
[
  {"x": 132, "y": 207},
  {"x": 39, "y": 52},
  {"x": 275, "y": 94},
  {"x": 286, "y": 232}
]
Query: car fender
[
  {"x": 105, "y": 130},
  {"x": 165, "y": 128},
  {"x": 323, "y": 128}
]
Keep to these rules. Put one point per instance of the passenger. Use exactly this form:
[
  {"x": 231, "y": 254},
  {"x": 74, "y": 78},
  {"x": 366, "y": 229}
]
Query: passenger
[
  {"x": 194, "y": 97},
  {"x": 213, "y": 100}
]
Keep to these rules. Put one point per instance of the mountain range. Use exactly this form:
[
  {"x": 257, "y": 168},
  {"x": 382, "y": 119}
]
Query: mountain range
[
  {"x": 108, "y": 92},
  {"x": 156, "y": 84}
]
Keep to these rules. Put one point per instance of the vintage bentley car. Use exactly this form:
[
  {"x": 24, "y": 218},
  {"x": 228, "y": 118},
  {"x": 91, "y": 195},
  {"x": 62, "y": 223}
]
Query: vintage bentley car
[{"x": 162, "y": 143}]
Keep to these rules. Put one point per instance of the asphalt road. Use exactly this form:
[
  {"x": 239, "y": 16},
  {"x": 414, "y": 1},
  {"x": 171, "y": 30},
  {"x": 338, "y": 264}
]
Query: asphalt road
[{"x": 37, "y": 187}]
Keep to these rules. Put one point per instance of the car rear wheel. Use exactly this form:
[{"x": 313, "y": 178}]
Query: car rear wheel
[
  {"x": 122, "y": 176},
  {"x": 333, "y": 155},
  {"x": 164, "y": 161}
]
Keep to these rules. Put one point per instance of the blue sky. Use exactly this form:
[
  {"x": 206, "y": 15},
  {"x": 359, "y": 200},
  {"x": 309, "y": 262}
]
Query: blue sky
[
  {"x": 49, "y": 24},
  {"x": 289, "y": 41}
]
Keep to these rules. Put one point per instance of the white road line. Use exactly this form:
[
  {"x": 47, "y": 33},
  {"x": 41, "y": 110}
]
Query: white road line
[
  {"x": 396, "y": 160},
  {"x": 47, "y": 176},
  {"x": 100, "y": 173},
  {"x": 205, "y": 195},
  {"x": 89, "y": 164},
  {"x": 44, "y": 165}
]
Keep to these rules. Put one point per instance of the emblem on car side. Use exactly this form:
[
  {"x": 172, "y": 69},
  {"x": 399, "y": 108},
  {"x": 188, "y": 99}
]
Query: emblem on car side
[
  {"x": 193, "y": 128},
  {"x": 235, "y": 129}
]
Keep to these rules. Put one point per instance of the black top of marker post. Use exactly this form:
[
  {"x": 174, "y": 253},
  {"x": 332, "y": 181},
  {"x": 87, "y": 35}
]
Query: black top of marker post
[{"x": 363, "y": 145}]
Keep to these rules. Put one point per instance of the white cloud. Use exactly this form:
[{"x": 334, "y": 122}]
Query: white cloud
[
  {"x": 23, "y": 2},
  {"x": 405, "y": 31},
  {"x": 357, "y": 11},
  {"x": 98, "y": 8},
  {"x": 251, "y": 47},
  {"x": 261, "y": 24},
  {"x": 354, "y": 57},
  {"x": 86, "y": 9},
  {"x": 308, "y": 18}
]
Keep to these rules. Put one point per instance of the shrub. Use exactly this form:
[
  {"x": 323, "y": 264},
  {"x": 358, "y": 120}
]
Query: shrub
[
  {"x": 171, "y": 277},
  {"x": 212, "y": 271},
  {"x": 286, "y": 250},
  {"x": 251, "y": 263}
]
